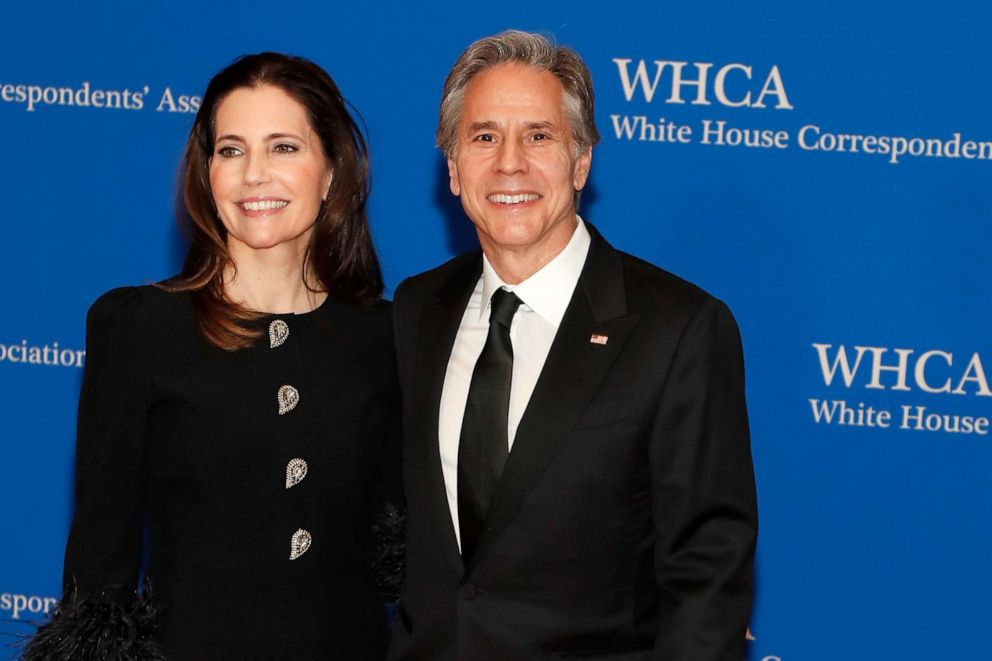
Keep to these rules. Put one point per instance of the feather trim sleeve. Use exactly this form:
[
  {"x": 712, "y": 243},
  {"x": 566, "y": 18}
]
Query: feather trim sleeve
[
  {"x": 88, "y": 629},
  {"x": 389, "y": 545}
]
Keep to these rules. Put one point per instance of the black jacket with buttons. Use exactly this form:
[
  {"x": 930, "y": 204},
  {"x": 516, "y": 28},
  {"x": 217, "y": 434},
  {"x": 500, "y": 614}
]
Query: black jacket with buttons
[{"x": 185, "y": 451}]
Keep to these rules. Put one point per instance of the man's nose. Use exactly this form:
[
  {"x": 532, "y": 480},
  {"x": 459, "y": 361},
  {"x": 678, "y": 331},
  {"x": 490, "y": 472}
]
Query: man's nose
[{"x": 511, "y": 159}]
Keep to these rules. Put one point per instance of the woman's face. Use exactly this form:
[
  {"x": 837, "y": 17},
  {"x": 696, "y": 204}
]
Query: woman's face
[{"x": 268, "y": 172}]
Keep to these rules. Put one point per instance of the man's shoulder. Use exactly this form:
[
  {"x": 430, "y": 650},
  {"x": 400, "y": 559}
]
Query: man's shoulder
[
  {"x": 642, "y": 275},
  {"x": 654, "y": 292},
  {"x": 428, "y": 283},
  {"x": 646, "y": 286}
]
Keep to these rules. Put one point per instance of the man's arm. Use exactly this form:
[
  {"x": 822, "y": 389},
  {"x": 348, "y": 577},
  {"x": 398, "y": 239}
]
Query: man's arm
[{"x": 704, "y": 504}]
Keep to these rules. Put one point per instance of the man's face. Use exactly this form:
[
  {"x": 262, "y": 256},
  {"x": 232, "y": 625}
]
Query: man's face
[{"x": 514, "y": 165}]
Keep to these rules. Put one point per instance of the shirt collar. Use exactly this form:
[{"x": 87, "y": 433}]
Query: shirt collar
[{"x": 548, "y": 291}]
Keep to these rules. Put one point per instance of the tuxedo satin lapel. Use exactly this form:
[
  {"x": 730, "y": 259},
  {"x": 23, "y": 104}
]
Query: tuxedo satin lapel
[
  {"x": 438, "y": 328},
  {"x": 572, "y": 373}
]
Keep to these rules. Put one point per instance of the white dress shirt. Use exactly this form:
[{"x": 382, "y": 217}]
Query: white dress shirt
[{"x": 545, "y": 296}]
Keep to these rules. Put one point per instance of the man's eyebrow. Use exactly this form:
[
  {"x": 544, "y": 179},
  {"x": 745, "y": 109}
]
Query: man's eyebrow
[
  {"x": 490, "y": 125},
  {"x": 480, "y": 126}
]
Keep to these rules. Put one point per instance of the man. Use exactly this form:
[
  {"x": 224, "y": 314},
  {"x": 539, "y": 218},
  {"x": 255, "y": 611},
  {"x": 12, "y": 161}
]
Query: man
[{"x": 577, "y": 466}]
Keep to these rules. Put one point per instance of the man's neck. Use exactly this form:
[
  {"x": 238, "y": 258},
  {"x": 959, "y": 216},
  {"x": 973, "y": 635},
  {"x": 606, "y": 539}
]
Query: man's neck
[{"x": 514, "y": 264}]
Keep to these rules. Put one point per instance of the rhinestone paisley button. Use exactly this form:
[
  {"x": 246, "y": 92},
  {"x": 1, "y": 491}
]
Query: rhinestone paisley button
[
  {"x": 296, "y": 470},
  {"x": 278, "y": 332},
  {"x": 301, "y": 544},
  {"x": 288, "y": 398}
]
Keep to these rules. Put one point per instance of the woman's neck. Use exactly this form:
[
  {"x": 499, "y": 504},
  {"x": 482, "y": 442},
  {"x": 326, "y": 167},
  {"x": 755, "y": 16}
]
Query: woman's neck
[{"x": 271, "y": 281}]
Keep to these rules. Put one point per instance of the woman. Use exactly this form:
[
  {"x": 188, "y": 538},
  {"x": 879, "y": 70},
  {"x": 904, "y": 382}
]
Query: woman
[{"x": 240, "y": 420}]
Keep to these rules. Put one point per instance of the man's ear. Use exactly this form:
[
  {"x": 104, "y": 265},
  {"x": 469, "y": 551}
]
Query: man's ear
[
  {"x": 582, "y": 166},
  {"x": 453, "y": 184}
]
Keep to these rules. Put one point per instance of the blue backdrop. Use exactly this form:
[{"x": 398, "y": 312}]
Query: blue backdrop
[{"x": 822, "y": 167}]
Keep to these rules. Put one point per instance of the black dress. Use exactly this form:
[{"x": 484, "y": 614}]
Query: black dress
[{"x": 251, "y": 477}]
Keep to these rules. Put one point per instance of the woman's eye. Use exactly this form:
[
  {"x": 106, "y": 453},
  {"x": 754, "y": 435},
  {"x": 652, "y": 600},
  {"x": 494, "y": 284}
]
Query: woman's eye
[
  {"x": 229, "y": 152},
  {"x": 283, "y": 148}
]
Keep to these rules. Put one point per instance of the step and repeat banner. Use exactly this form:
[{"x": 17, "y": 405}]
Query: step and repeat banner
[{"x": 824, "y": 168}]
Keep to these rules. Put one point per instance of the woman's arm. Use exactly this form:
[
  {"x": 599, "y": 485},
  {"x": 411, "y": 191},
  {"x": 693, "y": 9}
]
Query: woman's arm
[{"x": 101, "y": 614}]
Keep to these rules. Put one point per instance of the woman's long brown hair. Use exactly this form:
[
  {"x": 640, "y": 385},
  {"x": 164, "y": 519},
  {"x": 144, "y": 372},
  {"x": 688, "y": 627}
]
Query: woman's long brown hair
[{"x": 340, "y": 257}]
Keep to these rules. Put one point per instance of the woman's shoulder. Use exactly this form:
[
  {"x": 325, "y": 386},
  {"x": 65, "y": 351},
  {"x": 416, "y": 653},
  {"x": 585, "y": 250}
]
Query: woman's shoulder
[
  {"x": 363, "y": 324},
  {"x": 144, "y": 307},
  {"x": 375, "y": 314}
]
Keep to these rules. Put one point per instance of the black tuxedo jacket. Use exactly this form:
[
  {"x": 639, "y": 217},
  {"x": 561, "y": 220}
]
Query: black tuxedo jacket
[{"x": 624, "y": 524}]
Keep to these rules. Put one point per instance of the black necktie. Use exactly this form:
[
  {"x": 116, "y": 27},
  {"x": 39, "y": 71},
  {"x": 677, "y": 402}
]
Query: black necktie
[{"x": 484, "y": 447}]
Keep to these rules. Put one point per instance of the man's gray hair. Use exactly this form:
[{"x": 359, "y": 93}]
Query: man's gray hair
[{"x": 528, "y": 48}]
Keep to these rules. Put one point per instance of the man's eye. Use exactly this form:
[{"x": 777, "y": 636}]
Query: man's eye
[
  {"x": 284, "y": 148},
  {"x": 537, "y": 137},
  {"x": 484, "y": 137},
  {"x": 229, "y": 152}
]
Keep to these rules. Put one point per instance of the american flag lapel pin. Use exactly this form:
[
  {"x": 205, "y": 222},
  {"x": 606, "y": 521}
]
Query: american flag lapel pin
[{"x": 596, "y": 338}]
